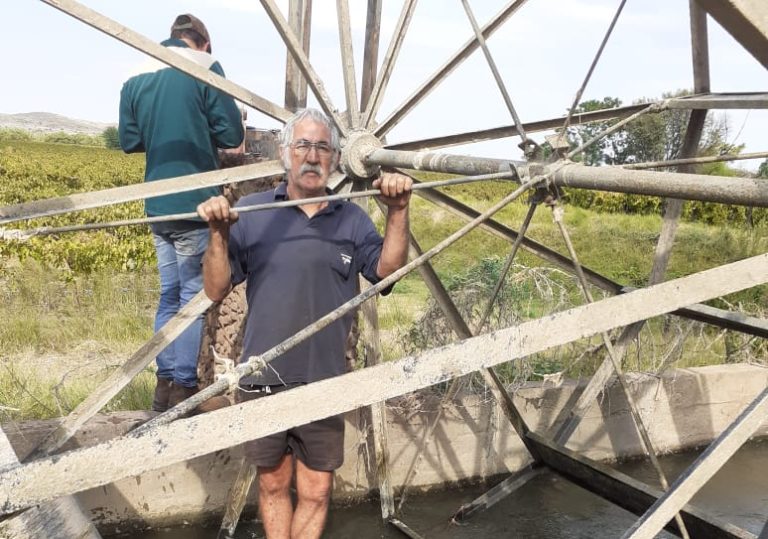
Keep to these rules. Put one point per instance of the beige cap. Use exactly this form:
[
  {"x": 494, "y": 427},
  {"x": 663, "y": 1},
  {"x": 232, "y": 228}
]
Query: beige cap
[{"x": 187, "y": 21}]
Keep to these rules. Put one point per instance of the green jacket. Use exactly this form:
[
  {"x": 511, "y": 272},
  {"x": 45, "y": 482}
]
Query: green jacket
[{"x": 179, "y": 122}]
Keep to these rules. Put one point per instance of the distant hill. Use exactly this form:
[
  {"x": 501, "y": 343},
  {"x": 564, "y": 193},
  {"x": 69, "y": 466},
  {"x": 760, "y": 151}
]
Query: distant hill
[{"x": 48, "y": 122}]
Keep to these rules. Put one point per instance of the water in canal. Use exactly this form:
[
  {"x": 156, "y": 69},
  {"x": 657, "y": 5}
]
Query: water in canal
[{"x": 546, "y": 507}]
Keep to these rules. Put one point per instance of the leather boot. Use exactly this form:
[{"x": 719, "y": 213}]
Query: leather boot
[
  {"x": 180, "y": 393},
  {"x": 162, "y": 392},
  {"x": 214, "y": 403}
]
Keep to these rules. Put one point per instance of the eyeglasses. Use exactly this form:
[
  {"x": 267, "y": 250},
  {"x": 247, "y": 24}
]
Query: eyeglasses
[{"x": 303, "y": 146}]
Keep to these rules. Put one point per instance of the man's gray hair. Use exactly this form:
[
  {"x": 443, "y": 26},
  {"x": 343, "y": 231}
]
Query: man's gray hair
[{"x": 286, "y": 137}]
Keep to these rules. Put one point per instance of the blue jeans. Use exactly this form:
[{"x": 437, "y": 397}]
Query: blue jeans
[{"x": 180, "y": 248}]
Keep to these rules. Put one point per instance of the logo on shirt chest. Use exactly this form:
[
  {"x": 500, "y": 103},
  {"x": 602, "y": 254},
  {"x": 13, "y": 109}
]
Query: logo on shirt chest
[{"x": 346, "y": 259}]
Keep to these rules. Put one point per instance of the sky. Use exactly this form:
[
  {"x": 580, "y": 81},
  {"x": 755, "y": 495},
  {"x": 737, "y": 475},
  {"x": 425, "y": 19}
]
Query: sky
[{"x": 55, "y": 63}]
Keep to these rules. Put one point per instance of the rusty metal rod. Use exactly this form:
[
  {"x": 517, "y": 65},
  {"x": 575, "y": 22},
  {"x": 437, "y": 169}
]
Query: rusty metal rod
[
  {"x": 495, "y": 70},
  {"x": 696, "y": 160},
  {"x": 506, "y": 268},
  {"x": 592, "y": 67}
]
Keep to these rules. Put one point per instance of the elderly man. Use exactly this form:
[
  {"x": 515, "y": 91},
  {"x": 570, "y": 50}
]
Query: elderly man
[{"x": 300, "y": 263}]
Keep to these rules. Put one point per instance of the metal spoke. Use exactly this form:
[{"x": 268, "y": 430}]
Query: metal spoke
[
  {"x": 348, "y": 62},
  {"x": 294, "y": 47},
  {"x": 600, "y": 49},
  {"x": 446, "y": 69},
  {"x": 496, "y": 75},
  {"x": 507, "y": 266},
  {"x": 398, "y": 36}
]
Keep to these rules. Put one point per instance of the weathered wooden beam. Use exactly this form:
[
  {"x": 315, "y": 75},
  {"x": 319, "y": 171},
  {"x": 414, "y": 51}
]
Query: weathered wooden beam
[
  {"x": 147, "y": 46},
  {"x": 405, "y": 529},
  {"x": 370, "y": 52},
  {"x": 372, "y": 103},
  {"x": 236, "y": 498},
  {"x": 746, "y": 21},
  {"x": 497, "y": 493},
  {"x": 757, "y": 100},
  {"x": 373, "y": 356},
  {"x": 297, "y": 51},
  {"x": 300, "y": 21},
  {"x": 699, "y": 48},
  {"x": 627, "y": 492},
  {"x": 139, "y": 191},
  {"x": 702, "y": 470},
  {"x": 348, "y": 62},
  {"x": 81, "y": 469},
  {"x": 431, "y": 83}
]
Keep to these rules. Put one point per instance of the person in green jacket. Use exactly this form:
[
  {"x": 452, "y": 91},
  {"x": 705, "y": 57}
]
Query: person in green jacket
[{"x": 179, "y": 122}]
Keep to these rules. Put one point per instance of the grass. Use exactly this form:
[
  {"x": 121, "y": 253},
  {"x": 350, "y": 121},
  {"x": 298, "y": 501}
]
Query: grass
[{"x": 62, "y": 336}]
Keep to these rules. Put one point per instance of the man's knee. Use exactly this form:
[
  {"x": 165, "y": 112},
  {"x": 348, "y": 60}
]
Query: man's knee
[
  {"x": 316, "y": 495},
  {"x": 313, "y": 486},
  {"x": 275, "y": 481}
]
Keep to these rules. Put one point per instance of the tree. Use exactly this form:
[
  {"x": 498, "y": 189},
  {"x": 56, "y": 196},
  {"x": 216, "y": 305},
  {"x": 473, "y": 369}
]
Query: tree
[
  {"x": 111, "y": 138},
  {"x": 762, "y": 170}
]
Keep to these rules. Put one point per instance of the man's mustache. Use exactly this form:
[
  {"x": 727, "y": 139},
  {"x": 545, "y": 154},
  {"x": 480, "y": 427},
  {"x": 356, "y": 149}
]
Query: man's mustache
[{"x": 306, "y": 167}]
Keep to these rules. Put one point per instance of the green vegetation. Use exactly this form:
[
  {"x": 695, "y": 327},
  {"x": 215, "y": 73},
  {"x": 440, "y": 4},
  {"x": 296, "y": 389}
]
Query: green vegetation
[
  {"x": 111, "y": 138},
  {"x": 57, "y": 137},
  {"x": 76, "y": 305},
  {"x": 34, "y": 171}
]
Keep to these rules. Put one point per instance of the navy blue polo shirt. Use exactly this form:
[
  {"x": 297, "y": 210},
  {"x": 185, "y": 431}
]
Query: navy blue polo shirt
[{"x": 297, "y": 270}]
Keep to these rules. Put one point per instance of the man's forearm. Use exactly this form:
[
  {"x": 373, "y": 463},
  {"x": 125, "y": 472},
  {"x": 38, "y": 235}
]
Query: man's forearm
[
  {"x": 217, "y": 275},
  {"x": 394, "y": 252}
]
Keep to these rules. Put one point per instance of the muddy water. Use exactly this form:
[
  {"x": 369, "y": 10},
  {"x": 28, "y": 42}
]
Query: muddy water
[{"x": 546, "y": 507}]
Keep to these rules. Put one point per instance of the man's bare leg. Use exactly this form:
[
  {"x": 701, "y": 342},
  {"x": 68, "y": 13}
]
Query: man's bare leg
[
  {"x": 275, "y": 503},
  {"x": 314, "y": 492}
]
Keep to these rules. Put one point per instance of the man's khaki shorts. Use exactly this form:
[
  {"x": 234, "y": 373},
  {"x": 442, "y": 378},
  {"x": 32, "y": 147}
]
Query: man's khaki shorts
[{"x": 319, "y": 445}]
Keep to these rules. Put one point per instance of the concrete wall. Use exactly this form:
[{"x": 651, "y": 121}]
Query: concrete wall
[{"x": 682, "y": 409}]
